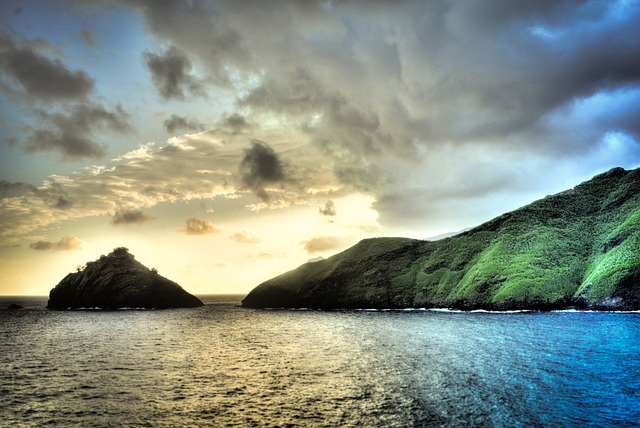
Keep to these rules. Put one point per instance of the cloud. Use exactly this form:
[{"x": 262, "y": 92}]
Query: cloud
[
  {"x": 71, "y": 133},
  {"x": 245, "y": 238},
  {"x": 237, "y": 123},
  {"x": 201, "y": 28},
  {"x": 170, "y": 73},
  {"x": 42, "y": 245},
  {"x": 321, "y": 244},
  {"x": 88, "y": 37},
  {"x": 451, "y": 71},
  {"x": 427, "y": 107},
  {"x": 10, "y": 189},
  {"x": 141, "y": 178},
  {"x": 125, "y": 216},
  {"x": 261, "y": 166},
  {"x": 196, "y": 226},
  {"x": 329, "y": 209},
  {"x": 267, "y": 255},
  {"x": 176, "y": 122},
  {"x": 65, "y": 243},
  {"x": 63, "y": 203},
  {"x": 364, "y": 177},
  {"x": 52, "y": 193},
  {"x": 60, "y": 117},
  {"x": 41, "y": 77},
  {"x": 201, "y": 166}
]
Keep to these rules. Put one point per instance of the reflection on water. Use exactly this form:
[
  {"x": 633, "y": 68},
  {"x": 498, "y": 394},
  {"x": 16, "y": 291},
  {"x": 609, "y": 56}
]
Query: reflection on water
[{"x": 221, "y": 365}]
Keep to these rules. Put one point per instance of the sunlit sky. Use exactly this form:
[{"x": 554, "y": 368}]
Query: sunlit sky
[{"x": 225, "y": 142}]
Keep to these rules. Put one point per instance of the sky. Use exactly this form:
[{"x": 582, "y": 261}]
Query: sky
[{"x": 226, "y": 142}]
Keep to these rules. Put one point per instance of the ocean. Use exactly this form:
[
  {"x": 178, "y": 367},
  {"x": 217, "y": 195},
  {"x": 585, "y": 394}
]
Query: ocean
[{"x": 224, "y": 366}]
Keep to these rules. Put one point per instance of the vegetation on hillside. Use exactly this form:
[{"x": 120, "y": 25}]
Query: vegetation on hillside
[{"x": 579, "y": 248}]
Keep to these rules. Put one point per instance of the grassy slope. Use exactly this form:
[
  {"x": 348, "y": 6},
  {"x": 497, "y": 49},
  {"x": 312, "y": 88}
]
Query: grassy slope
[{"x": 579, "y": 247}]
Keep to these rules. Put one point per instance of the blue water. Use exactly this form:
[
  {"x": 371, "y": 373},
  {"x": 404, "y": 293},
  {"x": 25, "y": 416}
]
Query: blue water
[{"x": 221, "y": 365}]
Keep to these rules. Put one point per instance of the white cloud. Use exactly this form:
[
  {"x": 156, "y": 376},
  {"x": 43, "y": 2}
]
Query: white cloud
[
  {"x": 201, "y": 166},
  {"x": 245, "y": 238},
  {"x": 321, "y": 244},
  {"x": 197, "y": 226}
]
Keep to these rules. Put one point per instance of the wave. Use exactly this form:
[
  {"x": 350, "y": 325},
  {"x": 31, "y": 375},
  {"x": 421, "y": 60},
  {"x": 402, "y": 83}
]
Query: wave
[
  {"x": 97, "y": 308},
  {"x": 596, "y": 311},
  {"x": 455, "y": 311},
  {"x": 479, "y": 311},
  {"x": 448, "y": 310}
]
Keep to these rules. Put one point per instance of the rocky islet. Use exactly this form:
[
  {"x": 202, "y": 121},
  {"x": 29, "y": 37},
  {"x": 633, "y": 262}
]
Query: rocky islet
[{"x": 115, "y": 281}]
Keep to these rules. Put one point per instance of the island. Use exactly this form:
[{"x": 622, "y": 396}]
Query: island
[
  {"x": 577, "y": 249},
  {"x": 116, "y": 281}
]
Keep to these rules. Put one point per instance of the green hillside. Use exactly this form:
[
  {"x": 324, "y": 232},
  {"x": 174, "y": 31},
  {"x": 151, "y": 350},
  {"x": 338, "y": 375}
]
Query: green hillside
[{"x": 577, "y": 248}]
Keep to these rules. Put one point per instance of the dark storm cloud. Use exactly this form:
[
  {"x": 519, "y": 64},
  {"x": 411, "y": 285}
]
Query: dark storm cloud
[
  {"x": 42, "y": 246},
  {"x": 297, "y": 92},
  {"x": 124, "y": 216},
  {"x": 261, "y": 166},
  {"x": 170, "y": 73},
  {"x": 88, "y": 37},
  {"x": 412, "y": 102},
  {"x": 65, "y": 243},
  {"x": 201, "y": 28},
  {"x": 346, "y": 128},
  {"x": 482, "y": 74},
  {"x": 63, "y": 203},
  {"x": 364, "y": 178},
  {"x": 10, "y": 189},
  {"x": 329, "y": 209},
  {"x": 67, "y": 120},
  {"x": 175, "y": 123},
  {"x": 392, "y": 76},
  {"x": 54, "y": 194},
  {"x": 71, "y": 133},
  {"x": 531, "y": 58},
  {"x": 41, "y": 77},
  {"x": 236, "y": 122}
]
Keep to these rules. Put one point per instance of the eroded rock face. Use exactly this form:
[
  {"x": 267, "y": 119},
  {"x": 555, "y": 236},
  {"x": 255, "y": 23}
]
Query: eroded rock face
[{"x": 118, "y": 280}]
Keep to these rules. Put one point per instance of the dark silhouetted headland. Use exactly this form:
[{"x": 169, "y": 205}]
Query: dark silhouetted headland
[
  {"x": 579, "y": 248},
  {"x": 118, "y": 280}
]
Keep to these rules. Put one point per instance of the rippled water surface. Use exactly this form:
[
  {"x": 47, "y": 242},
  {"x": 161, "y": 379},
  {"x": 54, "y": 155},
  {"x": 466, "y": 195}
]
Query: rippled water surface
[{"x": 221, "y": 365}]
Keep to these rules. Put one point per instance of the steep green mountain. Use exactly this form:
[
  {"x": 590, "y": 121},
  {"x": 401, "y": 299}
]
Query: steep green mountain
[{"x": 577, "y": 248}]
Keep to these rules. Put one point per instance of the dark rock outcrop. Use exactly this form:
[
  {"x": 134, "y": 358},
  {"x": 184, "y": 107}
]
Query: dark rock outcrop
[
  {"x": 579, "y": 248},
  {"x": 14, "y": 306},
  {"x": 118, "y": 281}
]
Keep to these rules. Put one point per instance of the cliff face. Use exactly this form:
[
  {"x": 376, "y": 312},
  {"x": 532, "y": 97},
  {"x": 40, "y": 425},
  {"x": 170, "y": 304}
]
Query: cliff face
[
  {"x": 118, "y": 281},
  {"x": 578, "y": 248}
]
